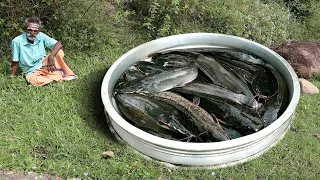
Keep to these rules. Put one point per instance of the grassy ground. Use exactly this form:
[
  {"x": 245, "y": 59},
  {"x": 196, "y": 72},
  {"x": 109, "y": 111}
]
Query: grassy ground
[{"x": 61, "y": 129}]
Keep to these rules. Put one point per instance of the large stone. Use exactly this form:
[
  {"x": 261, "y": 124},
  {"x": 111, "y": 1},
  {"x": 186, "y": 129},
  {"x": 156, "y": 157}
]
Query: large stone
[
  {"x": 307, "y": 87},
  {"x": 304, "y": 57}
]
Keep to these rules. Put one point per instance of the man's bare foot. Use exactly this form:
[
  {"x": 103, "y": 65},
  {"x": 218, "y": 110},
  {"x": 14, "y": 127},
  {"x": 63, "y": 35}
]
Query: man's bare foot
[{"x": 69, "y": 78}]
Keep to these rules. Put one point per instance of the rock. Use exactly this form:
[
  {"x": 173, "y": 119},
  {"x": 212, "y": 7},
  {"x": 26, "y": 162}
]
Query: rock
[
  {"x": 107, "y": 154},
  {"x": 304, "y": 57},
  {"x": 307, "y": 87}
]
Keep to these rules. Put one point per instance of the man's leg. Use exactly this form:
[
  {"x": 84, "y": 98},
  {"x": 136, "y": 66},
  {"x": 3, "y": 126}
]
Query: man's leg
[
  {"x": 42, "y": 76},
  {"x": 60, "y": 64}
]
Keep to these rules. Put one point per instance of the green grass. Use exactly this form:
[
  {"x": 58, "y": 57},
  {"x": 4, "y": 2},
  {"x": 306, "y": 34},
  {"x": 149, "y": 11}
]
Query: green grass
[{"x": 61, "y": 129}]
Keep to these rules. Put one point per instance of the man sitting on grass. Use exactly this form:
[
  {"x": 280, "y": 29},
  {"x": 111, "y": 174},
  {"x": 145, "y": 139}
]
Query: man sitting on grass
[{"x": 28, "y": 52}]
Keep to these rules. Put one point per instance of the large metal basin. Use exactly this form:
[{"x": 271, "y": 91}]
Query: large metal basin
[{"x": 217, "y": 154}]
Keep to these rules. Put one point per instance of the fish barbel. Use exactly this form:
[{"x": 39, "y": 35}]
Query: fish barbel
[{"x": 278, "y": 102}]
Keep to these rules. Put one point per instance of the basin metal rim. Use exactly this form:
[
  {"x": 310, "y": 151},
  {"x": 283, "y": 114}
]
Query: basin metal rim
[{"x": 189, "y": 40}]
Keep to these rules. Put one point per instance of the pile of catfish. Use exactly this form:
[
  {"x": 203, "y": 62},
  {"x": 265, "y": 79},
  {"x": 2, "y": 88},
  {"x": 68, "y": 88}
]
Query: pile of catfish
[{"x": 201, "y": 94}]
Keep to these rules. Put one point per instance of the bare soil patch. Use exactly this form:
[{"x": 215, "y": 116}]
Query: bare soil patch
[
  {"x": 304, "y": 57},
  {"x": 16, "y": 175}
]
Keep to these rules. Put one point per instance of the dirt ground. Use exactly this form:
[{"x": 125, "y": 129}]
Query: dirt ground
[
  {"x": 302, "y": 56},
  {"x": 13, "y": 175}
]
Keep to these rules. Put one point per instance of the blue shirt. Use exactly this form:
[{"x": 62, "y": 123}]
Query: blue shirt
[{"x": 30, "y": 55}]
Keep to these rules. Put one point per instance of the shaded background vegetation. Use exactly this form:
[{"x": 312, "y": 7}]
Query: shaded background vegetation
[{"x": 89, "y": 26}]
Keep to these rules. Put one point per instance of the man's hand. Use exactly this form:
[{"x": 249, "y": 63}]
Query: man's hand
[
  {"x": 51, "y": 66},
  {"x": 14, "y": 67},
  {"x": 56, "y": 48}
]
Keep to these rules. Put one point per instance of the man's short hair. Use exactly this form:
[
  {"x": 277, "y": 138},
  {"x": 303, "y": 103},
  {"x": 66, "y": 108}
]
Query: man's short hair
[{"x": 32, "y": 20}]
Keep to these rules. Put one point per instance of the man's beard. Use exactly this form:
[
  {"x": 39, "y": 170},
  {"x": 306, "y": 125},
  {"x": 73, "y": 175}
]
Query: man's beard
[{"x": 31, "y": 37}]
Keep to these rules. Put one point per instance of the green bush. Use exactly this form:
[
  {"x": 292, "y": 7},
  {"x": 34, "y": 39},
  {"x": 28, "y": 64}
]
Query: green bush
[
  {"x": 12, "y": 16},
  {"x": 266, "y": 23},
  {"x": 79, "y": 24},
  {"x": 309, "y": 28},
  {"x": 152, "y": 16},
  {"x": 302, "y": 9},
  {"x": 305, "y": 14},
  {"x": 92, "y": 26},
  {"x": 312, "y": 25}
]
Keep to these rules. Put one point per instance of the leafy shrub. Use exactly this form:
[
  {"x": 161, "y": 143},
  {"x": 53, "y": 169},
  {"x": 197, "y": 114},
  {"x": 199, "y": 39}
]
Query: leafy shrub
[
  {"x": 309, "y": 29},
  {"x": 12, "y": 16},
  {"x": 306, "y": 15},
  {"x": 266, "y": 23},
  {"x": 300, "y": 8},
  {"x": 79, "y": 24},
  {"x": 92, "y": 26},
  {"x": 153, "y": 17},
  {"x": 312, "y": 25}
]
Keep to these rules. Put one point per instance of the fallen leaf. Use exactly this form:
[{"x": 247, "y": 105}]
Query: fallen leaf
[
  {"x": 107, "y": 154},
  {"x": 160, "y": 177},
  {"x": 10, "y": 172},
  {"x": 38, "y": 132},
  {"x": 12, "y": 139},
  {"x": 317, "y": 135},
  {"x": 133, "y": 170}
]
